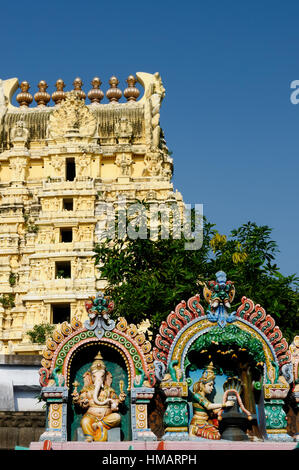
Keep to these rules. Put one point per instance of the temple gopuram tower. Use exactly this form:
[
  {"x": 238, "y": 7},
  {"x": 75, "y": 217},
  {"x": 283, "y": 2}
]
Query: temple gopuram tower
[{"x": 61, "y": 157}]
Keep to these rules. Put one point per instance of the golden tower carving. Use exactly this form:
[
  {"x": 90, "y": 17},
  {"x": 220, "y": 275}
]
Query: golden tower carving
[{"x": 59, "y": 161}]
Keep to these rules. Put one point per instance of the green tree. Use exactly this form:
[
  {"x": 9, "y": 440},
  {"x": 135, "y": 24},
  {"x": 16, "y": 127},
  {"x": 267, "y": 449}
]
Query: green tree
[
  {"x": 248, "y": 258},
  {"x": 147, "y": 278}
]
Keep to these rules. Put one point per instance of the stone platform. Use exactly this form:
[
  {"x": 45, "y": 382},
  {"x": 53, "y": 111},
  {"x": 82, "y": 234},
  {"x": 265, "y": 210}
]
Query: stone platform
[{"x": 169, "y": 446}]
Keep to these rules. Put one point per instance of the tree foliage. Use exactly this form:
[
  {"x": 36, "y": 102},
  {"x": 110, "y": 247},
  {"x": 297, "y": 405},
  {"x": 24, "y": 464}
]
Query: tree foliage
[
  {"x": 40, "y": 333},
  {"x": 248, "y": 258},
  {"x": 147, "y": 278}
]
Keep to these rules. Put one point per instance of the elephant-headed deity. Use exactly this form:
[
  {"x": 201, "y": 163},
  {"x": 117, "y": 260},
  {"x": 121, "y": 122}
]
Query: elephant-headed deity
[{"x": 100, "y": 401}]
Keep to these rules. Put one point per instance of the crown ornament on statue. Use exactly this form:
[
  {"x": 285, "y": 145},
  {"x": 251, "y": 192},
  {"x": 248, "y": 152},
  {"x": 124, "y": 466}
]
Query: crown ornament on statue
[
  {"x": 98, "y": 363},
  {"x": 208, "y": 375}
]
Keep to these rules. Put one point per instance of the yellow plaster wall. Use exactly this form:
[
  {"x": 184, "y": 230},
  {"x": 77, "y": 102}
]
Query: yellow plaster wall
[
  {"x": 108, "y": 169},
  {"x": 5, "y": 173},
  {"x": 35, "y": 170}
]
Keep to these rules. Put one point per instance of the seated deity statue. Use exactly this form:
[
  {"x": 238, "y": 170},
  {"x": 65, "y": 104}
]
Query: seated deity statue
[
  {"x": 100, "y": 400},
  {"x": 204, "y": 423}
]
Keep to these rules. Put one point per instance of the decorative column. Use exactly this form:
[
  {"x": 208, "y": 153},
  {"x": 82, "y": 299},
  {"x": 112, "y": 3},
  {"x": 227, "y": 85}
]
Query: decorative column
[
  {"x": 295, "y": 399},
  {"x": 140, "y": 398},
  {"x": 276, "y": 420},
  {"x": 294, "y": 350},
  {"x": 2, "y": 313},
  {"x": 56, "y": 425},
  {"x": 19, "y": 154},
  {"x": 176, "y": 414},
  {"x": 19, "y": 313}
]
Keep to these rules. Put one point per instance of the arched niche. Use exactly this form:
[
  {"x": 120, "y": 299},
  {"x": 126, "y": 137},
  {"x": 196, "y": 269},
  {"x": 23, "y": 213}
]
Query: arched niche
[
  {"x": 239, "y": 359},
  {"x": 192, "y": 337},
  {"x": 61, "y": 348},
  {"x": 70, "y": 353},
  {"x": 201, "y": 330},
  {"x": 117, "y": 364},
  {"x": 76, "y": 343},
  {"x": 189, "y": 321}
]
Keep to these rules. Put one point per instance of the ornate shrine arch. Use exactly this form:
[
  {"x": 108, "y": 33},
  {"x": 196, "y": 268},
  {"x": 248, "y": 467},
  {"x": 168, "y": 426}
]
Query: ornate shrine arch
[
  {"x": 201, "y": 326},
  {"x": 60, "y": 350},
  {"x": 189, "y": 321},
  {"x": 246, "y": 350},
  {"x": 71, "y": 361}
]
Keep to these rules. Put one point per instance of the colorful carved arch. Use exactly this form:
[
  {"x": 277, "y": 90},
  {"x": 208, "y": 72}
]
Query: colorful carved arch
[
  {"x": 130, "y": 344},
  {"x": 185, "y": 325}
]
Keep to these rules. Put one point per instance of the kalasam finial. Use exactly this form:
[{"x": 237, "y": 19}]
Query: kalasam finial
[
  {"x": 78, "y": 88},
  {"x": 96, "y": 94},
  {"x": 131, "y": 92},
  {"x": 113, "y": 93},
  {"x": 24, "y": 98},
  {"x": 42, "y": 98},
  {"x": 59, "y": 95}
]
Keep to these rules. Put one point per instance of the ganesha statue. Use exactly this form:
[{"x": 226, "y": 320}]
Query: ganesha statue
[{"x": 99, "y": 400}]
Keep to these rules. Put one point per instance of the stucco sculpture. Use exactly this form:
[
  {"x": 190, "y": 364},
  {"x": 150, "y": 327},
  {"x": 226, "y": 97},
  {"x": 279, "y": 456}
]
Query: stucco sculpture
[
  {"x": 100, "y": 400},
  {"x": 205, "y": 413}
]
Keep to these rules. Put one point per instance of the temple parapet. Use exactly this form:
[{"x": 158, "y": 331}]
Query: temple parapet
[{"x": 133, "y": 121}]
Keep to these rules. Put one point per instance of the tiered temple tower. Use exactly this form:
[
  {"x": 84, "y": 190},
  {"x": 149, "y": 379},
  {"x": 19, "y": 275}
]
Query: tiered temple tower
[{"x": 58, "y": 164}]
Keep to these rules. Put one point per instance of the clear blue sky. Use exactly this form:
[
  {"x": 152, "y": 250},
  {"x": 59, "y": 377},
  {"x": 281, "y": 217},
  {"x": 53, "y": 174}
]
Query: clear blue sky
[{"x": 227, "y": 68}]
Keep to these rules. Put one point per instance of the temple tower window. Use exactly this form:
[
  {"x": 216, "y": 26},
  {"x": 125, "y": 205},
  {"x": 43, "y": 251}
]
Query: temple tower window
[
  {"x": 70, "y": 169},
  {"x": 60, "y": 313},
  {"x": 66, "y": 235},
  {"x": 68, "y": 204},
  {"x": 62, "y": 269}
]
